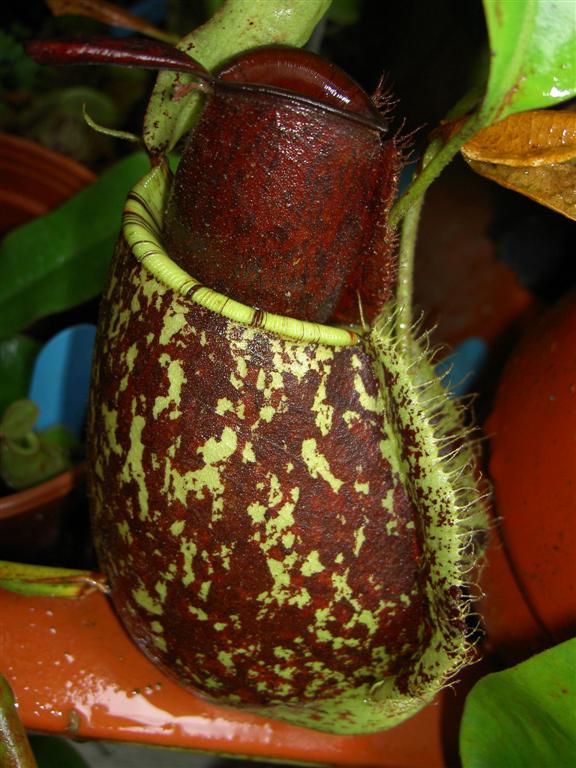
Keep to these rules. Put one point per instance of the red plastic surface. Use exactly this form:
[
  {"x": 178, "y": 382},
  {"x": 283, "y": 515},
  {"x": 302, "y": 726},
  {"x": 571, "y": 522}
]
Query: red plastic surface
[
  {"x": 74, "y": 671},
  {"x": 533, "y": 466}
]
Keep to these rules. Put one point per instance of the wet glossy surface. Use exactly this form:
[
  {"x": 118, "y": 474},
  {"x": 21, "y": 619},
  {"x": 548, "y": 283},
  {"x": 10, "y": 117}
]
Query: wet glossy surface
[{"x": 75, "y": 672}]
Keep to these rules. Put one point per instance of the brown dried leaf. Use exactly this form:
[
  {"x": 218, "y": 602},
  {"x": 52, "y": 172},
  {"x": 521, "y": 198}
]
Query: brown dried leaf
[
  {"x": 551, "y": 185},
  {"x": 533, "y": 153},
  {"x": 530, "y": 139},
  {"x": 108, "y": 13}
]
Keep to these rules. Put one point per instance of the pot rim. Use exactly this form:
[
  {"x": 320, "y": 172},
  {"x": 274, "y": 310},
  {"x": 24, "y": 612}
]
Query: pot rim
[
  {"x": 64, "y": 171},
  {"x": 142, "y": 227},
  {"x": 20, "y": 502}
]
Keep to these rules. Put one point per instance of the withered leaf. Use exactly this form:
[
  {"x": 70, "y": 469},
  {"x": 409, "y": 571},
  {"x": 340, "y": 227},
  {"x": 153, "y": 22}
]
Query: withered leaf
[
  {"x": 533, "y": 138},
  {"x": 108, "y": 13},
  {"x": 533, "y": 153},
  {"x": 551, "y": 185}
]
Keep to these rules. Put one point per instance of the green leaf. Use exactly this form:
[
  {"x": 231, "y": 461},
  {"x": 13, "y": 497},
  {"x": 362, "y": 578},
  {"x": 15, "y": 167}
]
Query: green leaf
[
  {"x": 18, "y": 419},
  {"x": 524, "y": 717},
  {"x": 238, "y": 25},
  {"x": 60, "y": 260},
  {"x": 532, "y": 65},
  {"x": 533, "y": 55},
  {"x": 45, "y": 581},
  {"x": 17, "y": 355}
]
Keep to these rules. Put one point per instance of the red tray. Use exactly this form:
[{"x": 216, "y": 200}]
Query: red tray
[{"x": 75, "y": 672}]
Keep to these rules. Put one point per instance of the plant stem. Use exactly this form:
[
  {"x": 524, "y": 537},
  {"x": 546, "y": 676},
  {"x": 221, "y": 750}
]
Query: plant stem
[
  {"x": 406, "y": 212},
  {"x": 407, "y": 253},
  {"x": 15, "y": 750},
  {"x": 432, "y": 170},
  {"x": 405, "y": 285}
]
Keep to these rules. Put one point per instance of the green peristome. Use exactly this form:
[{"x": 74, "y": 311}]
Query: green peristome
[
  {"x": 237, "y": 26},
  {"x": 18, "y": 419},
  {"x": 28, "y": 457},
  {"x": 532, "y": 60},
  {"x": 147, "y": 203},
  {"x": 432, "y": 456}
]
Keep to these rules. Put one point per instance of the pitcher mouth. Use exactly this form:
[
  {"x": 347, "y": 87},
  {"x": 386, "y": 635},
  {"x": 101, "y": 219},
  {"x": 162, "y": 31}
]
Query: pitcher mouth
[{"x": 142, "y": 221}]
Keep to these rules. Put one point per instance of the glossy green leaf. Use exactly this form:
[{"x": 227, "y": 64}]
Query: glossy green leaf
[
  {"x": 45, "y": 581},
  {"x": 17, "y": 355},
  {"x": 533, "y": 55},
  {"x": 532, "y": 65},
  {"x": 237, "y": 25},
  {"x": 60, "y": 260},
  {"x": 524, "y": 717}
]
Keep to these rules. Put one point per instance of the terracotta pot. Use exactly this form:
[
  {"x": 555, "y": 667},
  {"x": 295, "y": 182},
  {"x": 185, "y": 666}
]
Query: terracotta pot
[
  {"x": 30, "y": 519},
  {"x": 530, "y": 598},
  {"x": 33, "y": 180}
]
